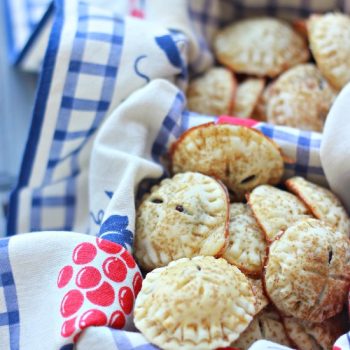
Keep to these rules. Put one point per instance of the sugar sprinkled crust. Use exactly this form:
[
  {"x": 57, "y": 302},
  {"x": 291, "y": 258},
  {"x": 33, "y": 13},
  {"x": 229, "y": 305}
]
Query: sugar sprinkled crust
[
  {"x": 247, "y": 97},
  {"x": 184, "y": 216},
  {"x": 329, "y": 37},
  {"x": 300, "y": 98},
  {"x": 308, "y": 271},
  {"x": 323, "y": 204},
  {"x": 260, "y": 111},
  {"x": 310, "y": 336},
  {"x": 198, "y": 303},
  {"x": 246, "y": 247},
  {"x": 260, "y": 46},
  {"x": 242, "y": 158},
  {"x": 258, "y": 290},
  {"x": 275, "y": 210},
  {"x": 316, "y": 336},
  {"x": 212, "y": 93},
  {"x": 266, "y": 325}
]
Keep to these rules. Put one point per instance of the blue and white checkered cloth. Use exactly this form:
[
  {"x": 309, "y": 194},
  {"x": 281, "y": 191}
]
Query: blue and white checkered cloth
[
  {"x": 25, "y": 18},
  {"x": 109, "y": 105},
  {"x": 9, "y": 311}
]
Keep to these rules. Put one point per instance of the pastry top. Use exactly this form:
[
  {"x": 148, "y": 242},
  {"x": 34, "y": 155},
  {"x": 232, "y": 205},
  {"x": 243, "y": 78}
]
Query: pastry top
[
  {"x": 323, "y": 204},
  {"x": 212, "y": 93},
  {"x": 258, "y": 290},
  {"x": 247, "y": 97},
  {"x": 198, "y": 303},
  {"x": 329, "y": 37},
  {"x": 246, "y": 247},
  {"x": 275, "y": 210},
  {"x": 307, "y": 274},
  {"x": 266, "y": 325},
  {"x": 300, "y": 26},
  {"x": 260, "y": 111},
  {"x": 310, "y": 336},
  {"x": 242, "y": 158},
  {"x": 260, "y": 46},
  {"x": 300, "y": 98},
  {"x": 184, "y": 216}
]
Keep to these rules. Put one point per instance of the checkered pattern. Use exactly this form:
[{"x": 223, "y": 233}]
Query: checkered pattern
[
  {"x": 86, "y": 97},
  {"x": 9, "y": 314},
  {"x": 34, "y": 11},
  {"x": 204, "y": 16},
  {"x": 174, "y": 124},
  {"x": 233, "y": 9},
  {"x": 131, "y": 341},
  {"x": 23, "y": 16},
  {"x": 207, "y": 16},
  {"x": 182, "y": 43},
  {"x": 303, "y": 149},
  {"x": 88, "y": 92}
]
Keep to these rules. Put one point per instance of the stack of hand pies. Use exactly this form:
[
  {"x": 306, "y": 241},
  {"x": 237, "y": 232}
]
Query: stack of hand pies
[
  {"x": 269, "y": 73},
  {"x": 231, "y": 258}
]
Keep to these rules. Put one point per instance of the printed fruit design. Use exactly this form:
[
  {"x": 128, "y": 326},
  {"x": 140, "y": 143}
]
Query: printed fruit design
[{"x": 102, "y": 283}]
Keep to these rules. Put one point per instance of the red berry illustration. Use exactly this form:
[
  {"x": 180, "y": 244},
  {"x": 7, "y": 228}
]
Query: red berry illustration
[
  {"x": 137, "y": 283},
  {"x": 68, "y": 327},
  {"x": 100, "y": 279},
  {"x": 92, "y": 317},
  {"x": 126, "y": 299},
  {"x": 108, "y": 246},
  {"x": 76, "y": 337},
  {"x": 71, "y": 302},
  {"x": 84, "y": 253},
  {"x": 64, "y": 276},
  {"x": 88, "y": 277},
  {"x": 128, "y": 259},
  {"x": 117, "y": 320},
  {"x": 103, "y": 295},
  {"x": 115, "y": 269}
]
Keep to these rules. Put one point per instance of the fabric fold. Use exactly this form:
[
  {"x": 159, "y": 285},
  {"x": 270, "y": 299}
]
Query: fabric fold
[
  {"x": 335, "y": 147},
  {"x": 110, "y": 102}
]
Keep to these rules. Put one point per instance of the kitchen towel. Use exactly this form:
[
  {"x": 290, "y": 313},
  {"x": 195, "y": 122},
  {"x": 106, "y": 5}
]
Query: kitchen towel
[{"x": 110, "y": 101}]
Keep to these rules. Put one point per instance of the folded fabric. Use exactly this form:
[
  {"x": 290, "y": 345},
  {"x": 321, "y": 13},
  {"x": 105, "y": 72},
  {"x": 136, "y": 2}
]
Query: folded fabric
[
  {"x": 56, "y": 284},
  {"x": 335, "y": 150},
  {"x": 109, "y": 104}
]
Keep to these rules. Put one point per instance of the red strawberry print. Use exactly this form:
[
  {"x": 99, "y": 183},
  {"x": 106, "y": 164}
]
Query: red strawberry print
[
  {"x": 137, "y": 283},
  {"x": 108, "y": 246},
  {"x": 88, "y": 277},
  {"x": 84, "y": 253},
  {"x": 64, "y": 276},
  {"x": 71, "y": 302},
  {"x": 129, "y": 260},
  {"x": 92, "y": 317},
  {"x": 103, "y": 295},
  {"x": 68, "y": 327},
  {"x": 126, "y": 299},
  {"x": 115, "y": 269},
  {"x": 90, "y": 291},
  {"x": 117, "y": 320}
]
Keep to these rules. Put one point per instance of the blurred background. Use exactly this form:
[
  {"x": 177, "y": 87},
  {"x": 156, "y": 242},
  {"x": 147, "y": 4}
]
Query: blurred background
[{"x": 17, "y": 90}]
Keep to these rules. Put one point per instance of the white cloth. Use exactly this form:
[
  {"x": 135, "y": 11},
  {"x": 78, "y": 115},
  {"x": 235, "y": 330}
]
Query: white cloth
[
  {"x": 335, "y": 146},
  {"x": 109, "y": 105}
]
